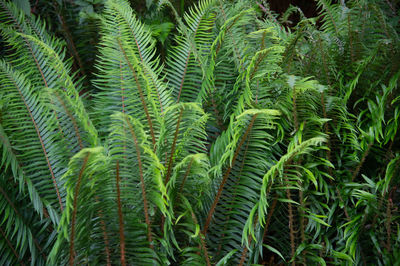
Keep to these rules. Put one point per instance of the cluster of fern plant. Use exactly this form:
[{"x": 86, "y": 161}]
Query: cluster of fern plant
[{"x": 250, "y": 143}]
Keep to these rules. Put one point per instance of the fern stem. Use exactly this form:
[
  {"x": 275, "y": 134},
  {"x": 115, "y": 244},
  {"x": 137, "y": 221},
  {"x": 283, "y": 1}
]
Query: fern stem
[
  {"x": 244, "y": 253},
  {"x": 328, "y": 154},
  {"x": 224, "y": 179},
  {"x": 19, "y": 215},
  {"x": 271, "y": 212},
  {"x": 73, "y": 120},
  {"x": 70, "y": 41},
  {"x": 350, "y": 38},
  {"x": 122, "y": 87},
  {"x": 11, "y": 246},
  {"x": 327, "y": 79},
  {"x": 120, "y": 218},
  {"x": 202, "y": 242},
  {"x": 27, "y": 43},
  {"x": 139, "y": 87},
  {"x": 235, "y": 49},
  {"x": 173, "y": 148},
  {"x": 365, "y": 154},
  {"x": 105, "y": 235},
  {"x": 75, "y": 209},
  {"x": 387, "y": 224},
  {"x": 325, "y": 6},
  {"x": 145, "y": 203},
  {"x": 234, "y": 193},
  {"x": 42, "y": 144},
  {"x": 291, "y": 224},
  {"x": 186, "y": 175}
]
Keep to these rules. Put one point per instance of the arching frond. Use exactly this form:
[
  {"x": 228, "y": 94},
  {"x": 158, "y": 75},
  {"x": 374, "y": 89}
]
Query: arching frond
[
  {"x": 237, "y": 178},
  {"x": 186, "y": 62}
]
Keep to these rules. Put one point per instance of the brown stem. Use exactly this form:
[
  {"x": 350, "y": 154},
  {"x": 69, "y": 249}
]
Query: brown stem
[
  {"x": 139, "y": 87},
  {"x": 291, "y": 229},
  {"x": 271, "y": 212},
  {"x": 186, "y": 175},
  {"x": 11, "y": 246},
  {"x": 387, "y": 224},
  {"x": 328, "y": 155},
  {"x": 365, "y": 154},
  {"x": 225, "y": 177},
  {"x": 105, "y": 235},
  {"x": 203, "y": 243},
  {"x": 169, "y": 169},
  {"x": 350, "y": 38},
  {"x": 72, "y": 118},
  {"x": 70, "y": 40},
  {"x": 142, "y": 184},
  {"x": 120, "y": 218},
  {"x": 75, "y": 209},
  {"x": 326, "y": 71},
  {"x": 41, "y": 143}
]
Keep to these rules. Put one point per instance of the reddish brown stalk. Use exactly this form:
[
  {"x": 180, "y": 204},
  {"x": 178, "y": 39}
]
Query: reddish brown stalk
[
  {"x": 271, "y": 212},
  {"x": 105, "y": 235},
  {"x": 186, "y": 64},
  {"x": 203, "y": 243},
  {"x": 11, "y": 246},
  {"x": 365, "y": 154},
  {"x": 169, "y": 170},
  {"x": 146, "y": 210},
  {"x": 183, "y": 77},
  {"x": 9, "y": 201},
  {"x": 122, "y": 88},
  {"x": 73, "y": 120},
  {"x": 331, "y": 18},
  {"x": 19, "y": 215},
  {"x": 120, "y": 218},
  {"x": 141, "y": 59},
  {"x": 291, "y": 229},
  {"x": 245, "y": 249},
  {"x": 350, "y": 38},
  {"x": 296, "y": 123},
  {"x": 28, "y": 44},
  {"x": 225, "y": 177},
  {"x": 204, "y": 248},
  {"x": 324, "y": 62},
  {"x": 300, "y": 208},
  {"x": 217, "y": 116},
  {"x": 58, "y": 120},
  {"x": 234, "y": 194},
  {"x": 139, "y": 87},
  {"x": 230, "y": 34},
  {"x": 186, "y": 175},
  {"x": 70, "y": 41},
  {"x": 244, "y": 254},
  {"x": 42, "y": 144},
  {"x": 75, "y": 209},
  {"x": 387, "y": 224},
  {"x": 266, "y": 11},
  {"x": 328, "y": 154}
]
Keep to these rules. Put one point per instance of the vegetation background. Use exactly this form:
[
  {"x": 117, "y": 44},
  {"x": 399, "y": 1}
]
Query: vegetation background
[{"x": 207, "y": 132}]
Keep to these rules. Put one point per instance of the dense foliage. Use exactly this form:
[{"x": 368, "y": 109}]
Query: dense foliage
[{"x": 229, "y": 139}]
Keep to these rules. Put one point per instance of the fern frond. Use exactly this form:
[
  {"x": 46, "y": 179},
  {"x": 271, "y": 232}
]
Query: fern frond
[
  {"x": 39, "y": 135},
  {"x": 186, "y": 62}
]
